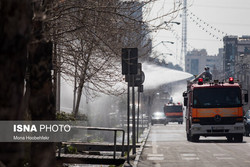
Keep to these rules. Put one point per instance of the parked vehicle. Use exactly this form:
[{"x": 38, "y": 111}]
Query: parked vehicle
[
  {"x": 247, "y": 123},
  {"x": 158, "y": 118}
]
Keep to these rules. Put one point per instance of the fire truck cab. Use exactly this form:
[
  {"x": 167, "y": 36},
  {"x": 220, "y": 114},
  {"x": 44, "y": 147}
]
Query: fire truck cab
[{"x": 214, "y": 109}]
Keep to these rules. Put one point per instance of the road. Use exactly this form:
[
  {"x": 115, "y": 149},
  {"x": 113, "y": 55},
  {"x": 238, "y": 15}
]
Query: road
[{"x": 167, "y": 146}]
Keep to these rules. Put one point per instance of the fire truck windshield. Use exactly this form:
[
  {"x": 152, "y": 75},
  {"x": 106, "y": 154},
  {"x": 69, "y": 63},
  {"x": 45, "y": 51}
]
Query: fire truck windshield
[
  {"x": 173, "y": 108},
  {"x": 217, "y": 97}
]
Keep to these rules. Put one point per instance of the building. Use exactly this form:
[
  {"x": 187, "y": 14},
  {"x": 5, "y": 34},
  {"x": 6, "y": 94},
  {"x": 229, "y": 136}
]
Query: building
[
  {"x": 137, "y": 33},
  {"x": 197, "y": 60},
  {"x": 229, "y": 56},
  {"x": 237, "y": 59}
]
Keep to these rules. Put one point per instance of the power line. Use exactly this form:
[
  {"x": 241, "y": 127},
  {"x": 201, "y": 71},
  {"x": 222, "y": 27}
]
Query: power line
[
  {"x": 232, "y": 24},
  {"x": 206, "y": 27},
  {"x": 177, "y": 37},
  {"x": 198, "y": 39},
  {"x": 224, "y": 7},
  {"x": 207, "y": 40}
]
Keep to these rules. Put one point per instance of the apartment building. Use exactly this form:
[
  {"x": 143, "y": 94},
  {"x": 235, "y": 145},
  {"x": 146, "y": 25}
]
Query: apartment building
[{"x": 197, "y": 60}]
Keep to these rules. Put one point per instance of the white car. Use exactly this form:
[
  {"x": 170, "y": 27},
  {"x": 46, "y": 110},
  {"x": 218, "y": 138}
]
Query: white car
[
  {"x": 158, "y": 118},
  {"x": 247, "y": 123}
]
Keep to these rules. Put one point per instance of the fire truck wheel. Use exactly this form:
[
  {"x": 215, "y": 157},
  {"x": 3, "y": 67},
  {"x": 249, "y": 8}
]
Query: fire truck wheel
[
  {"x": 194, "y": 138},
  {"x": 188, "y": 137},
  {"x": 238, "y": 138},
  {"x": 229, "y": 138}
]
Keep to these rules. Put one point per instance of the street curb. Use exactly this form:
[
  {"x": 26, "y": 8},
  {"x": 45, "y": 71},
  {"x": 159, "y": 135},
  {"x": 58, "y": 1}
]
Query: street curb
[{"x": 139, "y": 152}]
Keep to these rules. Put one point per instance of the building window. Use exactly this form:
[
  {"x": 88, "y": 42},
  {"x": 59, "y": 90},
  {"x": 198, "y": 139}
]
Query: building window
[{"x": 195, "y": 66}]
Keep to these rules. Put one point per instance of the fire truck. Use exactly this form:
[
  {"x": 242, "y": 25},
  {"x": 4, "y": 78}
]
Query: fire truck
[
  {"x": 173, "y": 112},
  {"x": 214, "y": 108}
]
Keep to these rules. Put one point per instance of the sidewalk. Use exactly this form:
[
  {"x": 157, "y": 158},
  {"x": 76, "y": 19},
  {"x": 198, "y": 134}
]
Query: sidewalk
[{"x": 135, "y": 158}]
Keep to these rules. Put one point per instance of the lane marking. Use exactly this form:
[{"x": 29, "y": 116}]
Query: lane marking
[
  {"x": 157, "y": 165},
  {"x": 155, "y": 158},
  {"x": 189, "y": 156},
  {"x": 227, "y": 158},
  {"x": 155, "y": 155},
  {"x": 158, "y": 157},
  {"x": 223, "y": 156},
  {"x": 219, "y": 155},
  {"x": 154, "y": 147}
]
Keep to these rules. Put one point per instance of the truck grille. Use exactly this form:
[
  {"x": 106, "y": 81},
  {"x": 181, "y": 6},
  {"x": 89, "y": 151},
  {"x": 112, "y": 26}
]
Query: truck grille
[
  {"x": 174, "y": 116},
  {"x": 222, "y": 121}
]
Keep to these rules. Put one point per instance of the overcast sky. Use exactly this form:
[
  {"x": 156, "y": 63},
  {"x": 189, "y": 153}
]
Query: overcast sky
[{"x": 207, "y": 22}]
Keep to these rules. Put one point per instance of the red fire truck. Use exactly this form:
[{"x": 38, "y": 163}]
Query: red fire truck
[
  {"x": 174, "y": 112},
  {"x": 214, "y": 109}
]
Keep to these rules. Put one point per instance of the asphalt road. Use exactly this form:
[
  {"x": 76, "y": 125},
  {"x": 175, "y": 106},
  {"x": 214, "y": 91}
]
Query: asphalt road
[{"x": 167, "y": 146}]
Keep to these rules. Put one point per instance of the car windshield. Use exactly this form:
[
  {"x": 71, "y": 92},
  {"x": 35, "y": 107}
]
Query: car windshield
[
  {"x": 173, "y": 108},
  {"x": 158, "y": 114},
  {"x": 248, "y": 114},
  {"x": 216, "y": 97}
]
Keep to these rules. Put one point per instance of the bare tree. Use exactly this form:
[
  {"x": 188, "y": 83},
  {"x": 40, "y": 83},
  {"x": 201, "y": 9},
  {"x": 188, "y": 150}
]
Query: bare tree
[{"x": 91, "y": 40}]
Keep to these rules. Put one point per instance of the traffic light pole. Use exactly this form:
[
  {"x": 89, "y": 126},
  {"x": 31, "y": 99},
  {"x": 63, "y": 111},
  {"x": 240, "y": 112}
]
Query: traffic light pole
[
  {"x": 133, "y": 114},
  {"x": 128, "y": 110},
  {"x": 138, "y": 109}
]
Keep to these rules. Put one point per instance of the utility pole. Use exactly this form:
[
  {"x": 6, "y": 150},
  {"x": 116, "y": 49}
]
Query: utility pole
[{"x": 184, "y": 35}]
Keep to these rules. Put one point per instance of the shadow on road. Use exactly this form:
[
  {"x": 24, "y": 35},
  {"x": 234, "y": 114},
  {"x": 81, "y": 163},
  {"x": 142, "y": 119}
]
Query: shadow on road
[{"x": 216, "y": 141}]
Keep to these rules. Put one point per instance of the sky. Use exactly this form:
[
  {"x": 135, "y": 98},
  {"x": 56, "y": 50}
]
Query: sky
[{"x": 208, "y": 21}]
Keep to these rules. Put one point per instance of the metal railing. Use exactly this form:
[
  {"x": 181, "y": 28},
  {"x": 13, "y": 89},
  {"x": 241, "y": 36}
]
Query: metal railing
[{"x": 104, "y": 129}]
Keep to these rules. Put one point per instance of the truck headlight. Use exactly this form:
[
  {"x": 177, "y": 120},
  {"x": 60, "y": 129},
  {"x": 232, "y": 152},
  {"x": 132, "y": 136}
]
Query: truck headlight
[{"x": 196, "y": 128}]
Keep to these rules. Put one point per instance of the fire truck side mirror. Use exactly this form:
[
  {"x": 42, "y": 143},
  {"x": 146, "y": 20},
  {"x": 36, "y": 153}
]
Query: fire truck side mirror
[
  {"x": 185, "y": 101},
  {"x": 246, "y": 97},
  {"x": 185, "y": 98}
]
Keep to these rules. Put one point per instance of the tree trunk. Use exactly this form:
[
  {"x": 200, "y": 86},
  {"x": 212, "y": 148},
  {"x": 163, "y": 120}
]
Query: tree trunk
[
  {"x": 81, "y": 84},
  {"x": 75, "y": 88},
  {"x": 78, "y": 100},
  {"x": 42, "y": 100},
  {"x": 15, "y": 25}
]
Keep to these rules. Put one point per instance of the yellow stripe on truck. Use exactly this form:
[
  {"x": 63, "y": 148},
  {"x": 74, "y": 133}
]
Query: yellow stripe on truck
[{"x": 223, "y": 112}]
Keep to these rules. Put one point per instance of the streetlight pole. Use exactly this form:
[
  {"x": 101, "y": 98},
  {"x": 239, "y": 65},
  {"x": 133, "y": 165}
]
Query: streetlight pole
[
  {"x": 184, "y": 35},
  {"x": 168, "y": 22},
  {"x": 162, "y": 42},
  {"x": 175, "y": 22}
]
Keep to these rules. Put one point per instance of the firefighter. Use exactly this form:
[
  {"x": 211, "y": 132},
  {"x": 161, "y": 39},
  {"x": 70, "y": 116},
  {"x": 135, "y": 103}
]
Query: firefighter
[{"x": 206, "y": 75}]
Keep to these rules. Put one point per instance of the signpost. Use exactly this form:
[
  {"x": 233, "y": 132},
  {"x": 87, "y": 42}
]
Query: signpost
[
  {"x": 129, "y": 67},
  {"x": 135, "y": 77}
]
